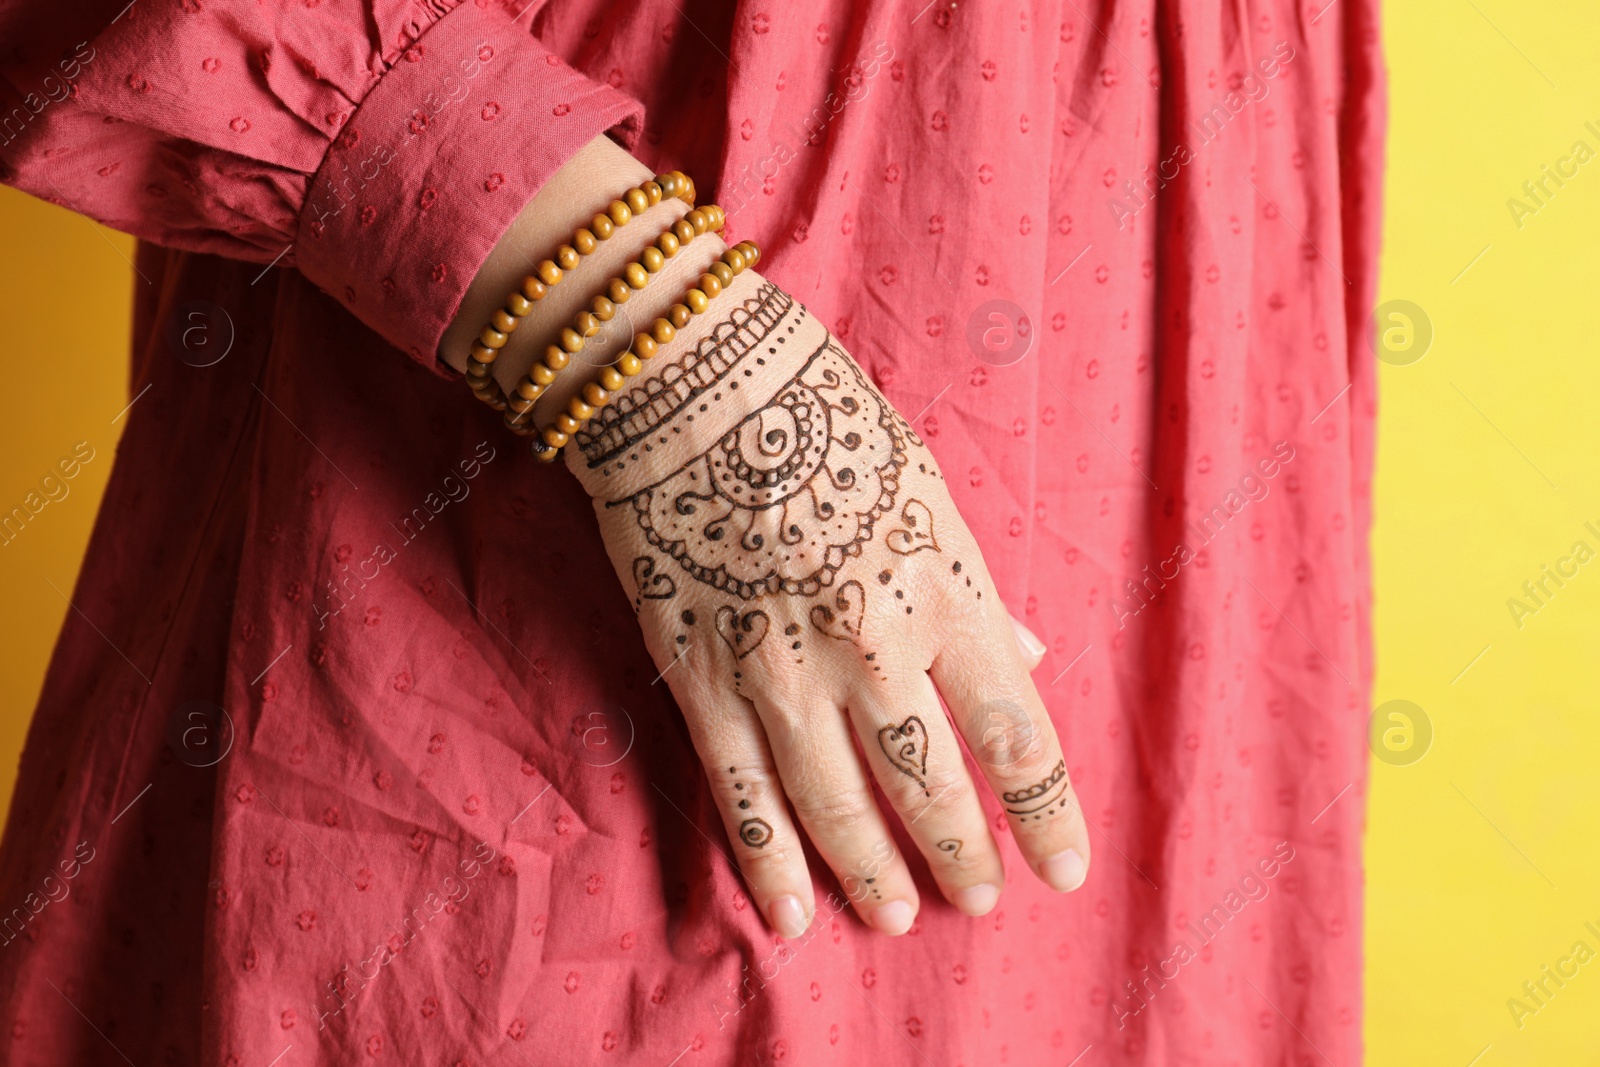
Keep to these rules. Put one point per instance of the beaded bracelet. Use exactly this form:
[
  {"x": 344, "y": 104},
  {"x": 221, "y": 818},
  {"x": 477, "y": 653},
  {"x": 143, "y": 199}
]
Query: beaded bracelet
[
  {"x": 549, "y": 272},
  {"x": 646, "y": 344},
  {"x": 585, "y": 324}
]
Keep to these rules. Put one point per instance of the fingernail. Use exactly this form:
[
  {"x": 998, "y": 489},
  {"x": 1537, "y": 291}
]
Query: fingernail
[
  {"x": 788, "y": 916},
  {"x": 1026, "y": 638},
  {"x": 1065, "y": 871},
  {"x": 976, "y": 899},
  {"x": 894, "y": 918}
]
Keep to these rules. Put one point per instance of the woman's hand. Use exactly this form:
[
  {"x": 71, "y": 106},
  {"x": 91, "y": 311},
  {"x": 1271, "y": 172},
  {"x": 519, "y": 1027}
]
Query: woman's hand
[{"x": 804, "y": 582}]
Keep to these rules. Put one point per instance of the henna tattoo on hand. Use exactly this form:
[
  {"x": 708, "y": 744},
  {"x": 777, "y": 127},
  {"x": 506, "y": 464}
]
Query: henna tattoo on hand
[
  {"x": 917, "y": 534},
  {"x": 1037, "y": 801},
  {"x": 843, "y": 619},
  {"x": 783, "y": 499},
  {"x": 652, "y": 586},
  {"x": 951, "y": 845},
  {"x": 755, "y": 833},
  {"x": 906, "y": 745},
  {"x": 741, "y": 632}
]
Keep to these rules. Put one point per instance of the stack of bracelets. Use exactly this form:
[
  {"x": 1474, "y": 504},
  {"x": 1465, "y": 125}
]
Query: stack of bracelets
[{"x": 518, "y": 406}]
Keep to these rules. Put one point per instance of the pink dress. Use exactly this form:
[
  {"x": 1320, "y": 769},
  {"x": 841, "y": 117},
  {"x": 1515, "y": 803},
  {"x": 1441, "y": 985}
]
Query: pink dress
[{"x": 350, "y": 751}]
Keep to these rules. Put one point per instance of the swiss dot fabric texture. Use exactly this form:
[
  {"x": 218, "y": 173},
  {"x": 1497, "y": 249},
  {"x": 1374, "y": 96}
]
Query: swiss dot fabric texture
[{"x": 455, "y": 822}]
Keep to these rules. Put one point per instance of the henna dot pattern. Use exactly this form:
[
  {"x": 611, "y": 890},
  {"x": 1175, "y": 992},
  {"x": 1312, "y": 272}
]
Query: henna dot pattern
[{"x": 1037, "y": 801}]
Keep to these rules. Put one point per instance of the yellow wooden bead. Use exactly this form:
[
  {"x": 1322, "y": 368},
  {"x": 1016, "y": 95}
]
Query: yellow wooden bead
[
  {"x": 652, "y": 191},
  {"x": 751, "y": 252},
  {"x": 735, "y": 260},
  {"x": 637, "y": 200},
  {"x": 547, "y": 456},
  {"x": 603, "y": 308},
  {"x": 619, "y": 212},
  {"x": 629, "y": 364},
  {"x": 518, "y": 407},
  {"x": 644, "y": 346},
  {"x": 669, "y": 244},
  {"x": 566, "y": 423},
  {"x": 595, "y": 394},
  {"x": 518, "y": 304},
  {"x": 554, "y": 438},
  {"x": 529, "y": 391},
  {"x": 611, "y": 378},
  {"x": 602, "y": 226},
  {"x": 584, "y": 241},
  {"x": 719, "y": 217},
  {"x": 567, "y": 257},
  {"x": 542, "y": 374},
  {"x": 618, "y": 291},
  {"x": 548, "y": 271},
  {"x": 663, "y": 331},
  {"x": 484, "y": 354},
  {"x": 478, "y": 374},
  {"x": 492, "y": 338},
  {"x": 679, "y": 315},
  {"x": 504, "y": 321},
  {"x": 698, "y": 219},
  {"x": 652, "y": 260},
  {"x": 709, "y": 284},
  {"x": 636, "y": 276},
  {"x": 723, "y": 272},
  {"x": 696, "y": 300},
  {"x": 587, "y": 323},
  {"x": 534, "y": 289},
  {"x": 571, "y": 339},
  {"x": 579, "y": 409},
  {"x": 555, "y": 357},
  {"x": 670, "y": 186}
]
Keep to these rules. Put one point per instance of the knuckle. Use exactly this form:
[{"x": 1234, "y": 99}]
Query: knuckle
[
  {"x": 1009, "y": 740},
  {"x": 839, "y": 813}
]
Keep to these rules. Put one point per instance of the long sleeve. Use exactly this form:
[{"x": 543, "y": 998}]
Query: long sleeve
[{"x": 380, "y": 146}]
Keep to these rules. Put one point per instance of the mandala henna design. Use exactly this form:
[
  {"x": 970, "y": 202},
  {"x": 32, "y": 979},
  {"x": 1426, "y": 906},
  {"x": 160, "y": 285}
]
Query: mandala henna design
[
  {"x": 788, "y": 495},
  {"x": 755, "y": 833},
  {"x": 652, "y": 586},
  {"x": 1037, "y": 801},
  {"x": 917, "y": 533},
  {"x": 906, "y": 745},
  {"x": 741, "y": 632},
  {"x": 843, "y": 619}
]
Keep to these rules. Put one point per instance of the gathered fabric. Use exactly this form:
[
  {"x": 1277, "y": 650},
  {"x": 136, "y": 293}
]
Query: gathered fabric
[{"x": 350, "y": 745}]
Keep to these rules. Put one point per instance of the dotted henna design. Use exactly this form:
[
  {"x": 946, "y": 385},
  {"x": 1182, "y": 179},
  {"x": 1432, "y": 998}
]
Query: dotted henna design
[
  {"x": 1037, "y": 801},
  {"x": 652, "y": 586},
  {"x": 917, "y": 533},
  {"x": 843, "y": 618},
  {"x": 741, "y": 632},
  {"x": 781, "y": 501}
]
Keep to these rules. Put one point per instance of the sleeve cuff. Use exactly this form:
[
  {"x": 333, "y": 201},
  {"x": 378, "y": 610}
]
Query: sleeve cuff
[{"x": 437, "y": 162}]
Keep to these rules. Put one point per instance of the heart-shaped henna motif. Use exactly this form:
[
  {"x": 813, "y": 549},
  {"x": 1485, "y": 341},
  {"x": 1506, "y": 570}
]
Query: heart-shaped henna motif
[
  {"x": 843, "y": 619},
  {"x": 652, "y": 586},
  {"x": 741, "y": 632},
  {"x": 917, "y": 533},
  {"x": 906, "y": 746}
]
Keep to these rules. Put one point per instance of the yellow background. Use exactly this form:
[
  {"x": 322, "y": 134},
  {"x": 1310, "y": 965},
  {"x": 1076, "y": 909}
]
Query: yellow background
[{"x": 1484, "y": 856}]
